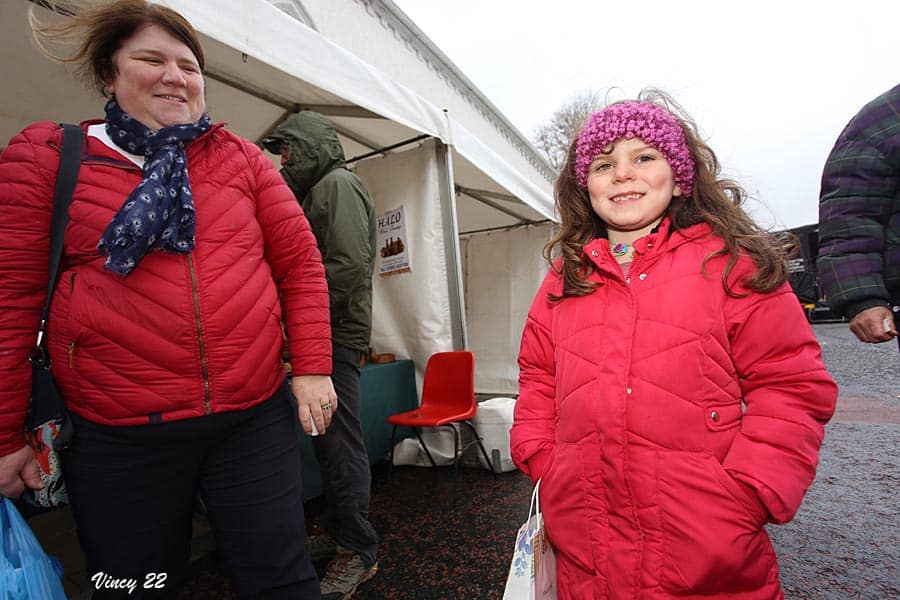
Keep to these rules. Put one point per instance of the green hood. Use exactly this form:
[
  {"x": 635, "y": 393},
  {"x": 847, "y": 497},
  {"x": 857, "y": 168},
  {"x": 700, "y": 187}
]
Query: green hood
[{"x": 315, "y": 150}]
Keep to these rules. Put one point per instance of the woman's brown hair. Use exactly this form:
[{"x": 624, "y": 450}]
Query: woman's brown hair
[
  {"x": 97, "y": 32},
  {"x": 715, "y": 200}
]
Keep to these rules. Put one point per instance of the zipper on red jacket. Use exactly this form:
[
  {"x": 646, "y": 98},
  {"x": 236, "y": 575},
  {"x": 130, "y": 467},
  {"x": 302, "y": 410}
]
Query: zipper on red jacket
[
  {"x": 203, "y": 365},
  {"x": 70, "y": 351}
]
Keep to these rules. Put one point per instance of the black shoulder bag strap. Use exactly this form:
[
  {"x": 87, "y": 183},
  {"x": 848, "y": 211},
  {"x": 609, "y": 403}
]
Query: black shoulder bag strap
[
  {"x": 47, "y": 424},
  {"x": 66, "y": 178}
]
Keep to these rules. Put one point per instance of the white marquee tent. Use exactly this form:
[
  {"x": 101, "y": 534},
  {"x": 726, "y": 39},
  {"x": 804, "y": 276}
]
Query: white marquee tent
[{"x": 475, "y": 217}]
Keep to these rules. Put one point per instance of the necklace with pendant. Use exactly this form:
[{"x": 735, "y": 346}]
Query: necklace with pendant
[{"x": 620, "y": 249}]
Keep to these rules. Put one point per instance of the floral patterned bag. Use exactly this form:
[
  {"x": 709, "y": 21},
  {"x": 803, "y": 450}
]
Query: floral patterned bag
[
  {"x": 48, "y": 430},
  {"x": 532, "y": 572}
]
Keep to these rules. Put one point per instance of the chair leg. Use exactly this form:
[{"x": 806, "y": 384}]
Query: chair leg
[
  {"x": 427, "y": 453},
  {"x": 456, "y": 458},
  {"x": 424, "y": 447},
  {"x": 391, "y": 453},
  {"x": 480, "y": 445}
]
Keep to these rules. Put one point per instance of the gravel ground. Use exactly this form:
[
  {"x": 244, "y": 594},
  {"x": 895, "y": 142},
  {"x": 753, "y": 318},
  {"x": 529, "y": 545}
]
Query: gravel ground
[
  {"x": 843, "y": 543},
  {"x": 871, "y": 370}
]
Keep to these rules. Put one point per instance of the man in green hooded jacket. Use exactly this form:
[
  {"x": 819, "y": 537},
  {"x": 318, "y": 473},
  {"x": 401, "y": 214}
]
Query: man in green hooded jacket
[{"x": 342, "y": 217}]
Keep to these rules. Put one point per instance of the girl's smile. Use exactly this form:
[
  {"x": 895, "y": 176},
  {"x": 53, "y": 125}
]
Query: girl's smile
[
  {"x": 630, "y": 188},
  {"x": 626, "y": 196}
]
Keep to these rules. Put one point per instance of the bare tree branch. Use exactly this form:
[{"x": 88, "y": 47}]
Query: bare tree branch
[{"x": 552, "y": 138}]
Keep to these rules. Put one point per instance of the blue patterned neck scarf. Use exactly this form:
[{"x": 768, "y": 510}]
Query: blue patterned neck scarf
[{"x": 159, "y": 212}]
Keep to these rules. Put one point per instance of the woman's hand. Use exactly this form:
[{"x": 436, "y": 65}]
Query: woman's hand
[
  {"x": 316, "y": 401},
  {"x": 17, "y": 470}
]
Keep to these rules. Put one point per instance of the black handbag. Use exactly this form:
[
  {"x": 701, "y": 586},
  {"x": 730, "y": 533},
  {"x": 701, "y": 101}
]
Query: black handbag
[{"x": 47, "y": 424}]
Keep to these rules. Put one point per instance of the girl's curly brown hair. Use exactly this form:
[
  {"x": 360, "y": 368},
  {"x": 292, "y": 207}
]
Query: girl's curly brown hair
[{"x": 715, "y": 200}]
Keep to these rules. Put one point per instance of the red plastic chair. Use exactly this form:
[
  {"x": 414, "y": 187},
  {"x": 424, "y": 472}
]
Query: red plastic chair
[{"x": 448, "y": 397}]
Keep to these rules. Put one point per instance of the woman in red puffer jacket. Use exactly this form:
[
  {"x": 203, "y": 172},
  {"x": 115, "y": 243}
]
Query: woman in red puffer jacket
[{"x": 184, "y": 253}]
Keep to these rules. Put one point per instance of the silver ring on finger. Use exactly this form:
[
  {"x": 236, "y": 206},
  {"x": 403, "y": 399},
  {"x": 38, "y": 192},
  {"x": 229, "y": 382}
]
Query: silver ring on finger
[{"x": 326, "y": 406}]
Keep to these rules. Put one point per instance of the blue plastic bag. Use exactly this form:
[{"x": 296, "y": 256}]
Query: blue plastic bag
[{"x": 26, "y": 572}]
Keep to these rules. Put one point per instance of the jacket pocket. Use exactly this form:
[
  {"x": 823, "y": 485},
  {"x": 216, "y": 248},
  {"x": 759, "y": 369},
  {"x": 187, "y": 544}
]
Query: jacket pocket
[
  {"x": 714, "y": 539},
  {"x": 564, "y": 505},
  {"x": 722, "y": 417},
  {"x": 64, "y": 327}
]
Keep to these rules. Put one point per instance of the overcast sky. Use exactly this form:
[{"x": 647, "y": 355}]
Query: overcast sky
[{"x": 770, "y": 83}]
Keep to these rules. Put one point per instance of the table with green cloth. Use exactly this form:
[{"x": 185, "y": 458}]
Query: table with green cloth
[{"x": 387, "y": 389}]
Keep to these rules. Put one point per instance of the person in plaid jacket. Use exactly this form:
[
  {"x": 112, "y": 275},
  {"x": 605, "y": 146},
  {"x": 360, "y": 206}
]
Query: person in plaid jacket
[{"x": 859, "y": 221}]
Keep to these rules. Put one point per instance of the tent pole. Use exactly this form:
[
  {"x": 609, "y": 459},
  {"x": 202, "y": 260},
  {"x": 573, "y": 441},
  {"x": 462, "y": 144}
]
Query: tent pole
[
  {"x": 385, "y": 149},
  {"x": 480, "y": 196},
  {"x": 451, "y": 246},
  {"x": 505, "y": 227}
]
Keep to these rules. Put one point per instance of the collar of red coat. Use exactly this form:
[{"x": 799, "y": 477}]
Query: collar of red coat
[
  {"x": 662, "y": 239},
  {"x": 55, "y": 140}
]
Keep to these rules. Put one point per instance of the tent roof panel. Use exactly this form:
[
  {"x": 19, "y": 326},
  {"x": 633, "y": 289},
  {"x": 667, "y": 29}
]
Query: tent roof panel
[{"x": 254, "y": 77}]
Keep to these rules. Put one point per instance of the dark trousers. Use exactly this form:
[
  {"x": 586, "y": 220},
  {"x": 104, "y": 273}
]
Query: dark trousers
[
  {"x": 344, "y": 462},
  {"x": 133, "y": 491}
]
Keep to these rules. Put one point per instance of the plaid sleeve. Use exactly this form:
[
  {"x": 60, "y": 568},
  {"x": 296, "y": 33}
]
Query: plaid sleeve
[{"x": 856, "y": 204}]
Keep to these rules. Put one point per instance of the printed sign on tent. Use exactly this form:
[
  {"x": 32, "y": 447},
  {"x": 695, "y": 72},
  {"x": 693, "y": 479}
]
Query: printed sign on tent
[{"x": 393, "y": 257}]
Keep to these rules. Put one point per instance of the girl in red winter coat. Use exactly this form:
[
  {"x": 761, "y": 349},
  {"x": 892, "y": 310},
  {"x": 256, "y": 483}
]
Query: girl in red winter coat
[{"x": 672, "y": 394}]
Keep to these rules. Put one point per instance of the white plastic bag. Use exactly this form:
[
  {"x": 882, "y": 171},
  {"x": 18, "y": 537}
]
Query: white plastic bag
[
  {"x": 440, "y": 444},
  {"x": 492, "y": 422},
  {"x": 532, "y": 571}
]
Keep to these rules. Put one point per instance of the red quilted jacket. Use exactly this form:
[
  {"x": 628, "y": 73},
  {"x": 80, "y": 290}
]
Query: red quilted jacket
[
  {"x": 655, "y": 480},
  {"x": 182, "y": 335}
]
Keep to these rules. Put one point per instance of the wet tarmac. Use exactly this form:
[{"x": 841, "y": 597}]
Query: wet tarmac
[{"x": 844, "y": 542}]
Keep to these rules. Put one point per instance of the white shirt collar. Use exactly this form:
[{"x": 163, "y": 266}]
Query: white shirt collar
[{"x": 98, "y": 130}]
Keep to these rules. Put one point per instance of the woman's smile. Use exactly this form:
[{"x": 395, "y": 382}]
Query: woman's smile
[{"x": 158, "y": 80}]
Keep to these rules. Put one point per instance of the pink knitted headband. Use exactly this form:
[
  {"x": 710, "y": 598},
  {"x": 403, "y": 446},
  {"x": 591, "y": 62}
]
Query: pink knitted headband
[{"x": 652, "y": 124}]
